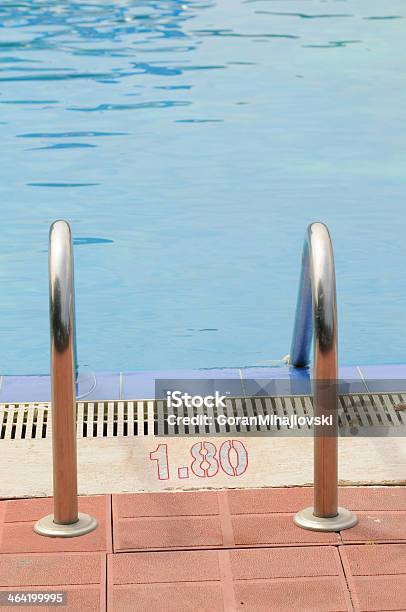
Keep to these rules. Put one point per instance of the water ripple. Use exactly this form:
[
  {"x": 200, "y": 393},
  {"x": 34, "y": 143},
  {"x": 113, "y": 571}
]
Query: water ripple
[
  {"x": 232, "y": 34},
  {"x": 17, "y": 60},
  {"x": 306, "y": 15},
  {"x": 173, "y": 87},
  {"x": 139, "y": 106},
  {"x": 62, "y": 184},
  {"x": 333, "y": 44},
  {"x": 85, "y": 134},
  {"x": 64, "y": 145},
  {"x": 199, "y": 120},
  {"x": 80, "y": 240},
  {"x": 157, "y": 70},
  {"x": 57, "y": 77},
  {"x": 384, "y": 17},
  {"x": 29, "y": 102}
]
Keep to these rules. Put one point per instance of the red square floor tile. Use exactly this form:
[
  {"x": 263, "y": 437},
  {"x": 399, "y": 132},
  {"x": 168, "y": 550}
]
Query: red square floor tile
[
  {"x": 174, "y": 581},
  {"x": 46, "y": 569},
  {"x": 306, "y": 595},
  {"x": 20, "y": 515},
  {"x": 287, "y": 562},
  {"x": 180, "y": 503},
  {"x": 274, "y": 529},
  {"x": 177, "y": 597},
  {"x": 30, "y": 510},
  {"x": 373, "y": 593},
  {"x": 374, "y": 559},
  {"x": 150, "y": 521},
  {"x": 377, "y": 527},
  {"x": 167, "y": 532},
  {"x": 169, "y": 566},
  {"x": 373, "y": 498},
  {"x": 263, "y": 501}
]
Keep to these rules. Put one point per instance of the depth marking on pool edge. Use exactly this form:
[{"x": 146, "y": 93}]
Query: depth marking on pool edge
[{"x": 231, "y": 458}]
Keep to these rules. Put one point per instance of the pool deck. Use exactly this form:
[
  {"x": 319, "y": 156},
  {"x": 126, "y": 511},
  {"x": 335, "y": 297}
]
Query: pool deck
[
  {"x": 212, "y": 551},
  {"x": 224, "y": 549}
]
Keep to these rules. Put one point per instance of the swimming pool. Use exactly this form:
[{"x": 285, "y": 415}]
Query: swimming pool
[{"x": 189, "y": 144}]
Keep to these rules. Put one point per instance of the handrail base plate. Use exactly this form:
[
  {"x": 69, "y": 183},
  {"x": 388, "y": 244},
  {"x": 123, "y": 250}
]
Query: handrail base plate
[
  {"x": 344, "y": 520},
  {"x": 46, "y": 527}
]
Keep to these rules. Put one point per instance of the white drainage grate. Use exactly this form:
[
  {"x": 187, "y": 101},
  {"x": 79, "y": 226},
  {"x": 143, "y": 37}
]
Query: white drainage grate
[{"x": 359, "y": 414}]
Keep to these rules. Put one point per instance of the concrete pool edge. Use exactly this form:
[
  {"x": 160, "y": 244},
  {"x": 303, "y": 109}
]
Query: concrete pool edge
[
  {"x": 141, "y": 384},
  {"x": 109, "y": 463}
]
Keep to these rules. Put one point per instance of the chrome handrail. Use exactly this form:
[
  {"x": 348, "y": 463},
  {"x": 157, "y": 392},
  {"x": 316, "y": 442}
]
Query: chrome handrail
[
  {"x": 316, "y": 319},
  {"x": 316, "y": 310},
  {"x": 66, "y": 521}
]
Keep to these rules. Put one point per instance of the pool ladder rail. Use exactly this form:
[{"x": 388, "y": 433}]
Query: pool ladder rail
[
  {"x": 316, "y": 319},
  {"x": 65, "y": 521}
]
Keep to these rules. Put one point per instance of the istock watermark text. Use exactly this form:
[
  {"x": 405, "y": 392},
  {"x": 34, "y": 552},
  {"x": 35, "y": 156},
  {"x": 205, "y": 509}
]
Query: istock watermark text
[{"x": 267, "y": 420}]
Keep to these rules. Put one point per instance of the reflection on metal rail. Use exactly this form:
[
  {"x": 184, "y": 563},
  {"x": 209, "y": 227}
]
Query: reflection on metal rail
[
  {"x": 316, "y": 315},
  {"x": 66, "y": 521}
]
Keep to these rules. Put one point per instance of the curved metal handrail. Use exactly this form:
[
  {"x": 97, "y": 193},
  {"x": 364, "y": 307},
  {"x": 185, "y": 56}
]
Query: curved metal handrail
[
  {"x": 316, "y": 319},
  {"x": 66, "y": 521},
  {"x": 316, "y": 310}
]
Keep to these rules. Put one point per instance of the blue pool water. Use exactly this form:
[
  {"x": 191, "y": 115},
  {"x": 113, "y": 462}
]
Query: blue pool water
[{"x": 189, "y": 144}]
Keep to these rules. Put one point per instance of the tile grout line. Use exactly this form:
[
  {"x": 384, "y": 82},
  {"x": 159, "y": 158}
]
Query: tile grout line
[
  {"x": 2, "y": 520},
  {"x": 110, "y": 552},
  {"x": 226, "y": 524},
  {"x": 346, "y": 567},
  {"x": 268, "y": 545},
  {"x": 202, "y": 547},
  {"x": 237, "y": 514},
  {"x": 105, "y": 582},
  {"x": 226, "y": 581},
  {"x": 62, "y": 585},
  {"x": 271, "y": 579},
  {"x": 343, "y": 577},
  {"x": 111, "y": 523}
]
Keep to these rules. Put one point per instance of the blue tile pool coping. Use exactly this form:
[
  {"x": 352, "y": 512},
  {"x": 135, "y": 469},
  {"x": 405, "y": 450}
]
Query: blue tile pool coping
[{"x": 249, "y": 381}]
